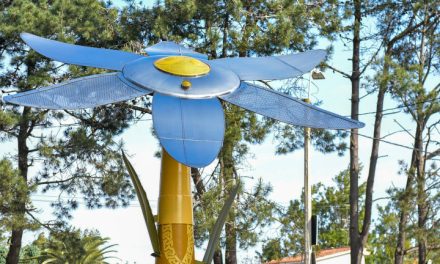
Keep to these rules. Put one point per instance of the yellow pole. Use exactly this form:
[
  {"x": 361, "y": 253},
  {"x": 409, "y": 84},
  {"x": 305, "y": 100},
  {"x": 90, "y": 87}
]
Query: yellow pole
[{"x": 175, "y": 214}]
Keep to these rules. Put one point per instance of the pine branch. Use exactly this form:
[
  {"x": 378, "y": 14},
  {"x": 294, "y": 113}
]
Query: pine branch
[
  {"x": 47, "y": 226},
  {"x": 137, "y": 108},
  {"x": 346, "y": 75},
  {"x": 66, "y": 180}
]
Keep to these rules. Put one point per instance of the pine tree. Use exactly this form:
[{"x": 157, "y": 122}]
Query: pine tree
[
  {"x": 411, "y": 69},
  {"x": 76, "y": 151},
  {"x": 394, "y": 21}
]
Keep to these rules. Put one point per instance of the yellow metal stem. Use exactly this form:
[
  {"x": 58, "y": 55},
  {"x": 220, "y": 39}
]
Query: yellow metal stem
[{"x": 175, "y": 215}]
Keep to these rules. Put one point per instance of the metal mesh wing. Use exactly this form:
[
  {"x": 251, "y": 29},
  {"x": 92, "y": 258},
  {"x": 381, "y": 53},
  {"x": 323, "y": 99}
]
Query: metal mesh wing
[
  {"x": 79, "y": 55},
  {"x": 171, "y": 48},
  {"x": 80, "y": 93},
  {"x": 272, "y": 68},
  {"x": 190, "y": 130},
  {"x": 287, "y": 109}
]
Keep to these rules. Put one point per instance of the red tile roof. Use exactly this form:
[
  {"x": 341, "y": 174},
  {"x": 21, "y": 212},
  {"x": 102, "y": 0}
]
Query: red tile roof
[{"x": 321, "y": 253}]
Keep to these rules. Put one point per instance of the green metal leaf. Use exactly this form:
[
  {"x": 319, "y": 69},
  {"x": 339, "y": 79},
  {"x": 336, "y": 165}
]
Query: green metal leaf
[
  {"x": 145, "y": 205},
  {"x": 215, "y": 234}
]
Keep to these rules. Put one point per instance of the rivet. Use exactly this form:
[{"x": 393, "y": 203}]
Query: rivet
[{"x": 185, "y": 84}]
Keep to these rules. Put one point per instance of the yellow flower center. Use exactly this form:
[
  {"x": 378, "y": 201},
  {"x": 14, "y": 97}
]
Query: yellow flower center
[{"x": 182, "y": 66}]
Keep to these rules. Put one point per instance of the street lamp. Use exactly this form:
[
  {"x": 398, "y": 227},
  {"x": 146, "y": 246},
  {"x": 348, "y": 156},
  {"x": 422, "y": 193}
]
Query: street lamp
[{"x": 316, "y": 75}]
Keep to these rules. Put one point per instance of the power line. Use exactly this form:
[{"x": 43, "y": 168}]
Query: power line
[
  {"x": 80, "y": 203},
  {"x": 393, "y": 143},
  {"x": 42, "y": 126},
  {"x": 400, "y": 107}
]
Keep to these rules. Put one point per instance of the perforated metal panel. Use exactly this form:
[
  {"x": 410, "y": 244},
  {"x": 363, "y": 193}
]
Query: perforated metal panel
[
  {"x": 287, "y": 109},
  {"x": 191, "y": 130},
  {"x": 80, "y": 93},
  {"x": 79, "y": 55},
  {"x": 273, "y": 67}
]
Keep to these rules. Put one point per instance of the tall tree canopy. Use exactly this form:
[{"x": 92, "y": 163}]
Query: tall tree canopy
[{"x": 73, "y": 153}]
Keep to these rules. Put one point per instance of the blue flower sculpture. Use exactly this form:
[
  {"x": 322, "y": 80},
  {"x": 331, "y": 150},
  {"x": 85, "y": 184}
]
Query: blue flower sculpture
[{"x": 187, "y": 114}]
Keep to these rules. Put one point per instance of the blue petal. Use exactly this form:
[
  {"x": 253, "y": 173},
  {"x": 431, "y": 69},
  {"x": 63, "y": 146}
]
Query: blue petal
[
  {"x": 85, "y": 92},
  {"x": 79, "y": 55},
  {"x": 287, "y": 109},
  {"x": 190, "y": 130},
  {"x": 272, "y": 67}
]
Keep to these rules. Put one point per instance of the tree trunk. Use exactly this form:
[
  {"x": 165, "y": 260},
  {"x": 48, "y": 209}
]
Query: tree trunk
[
  {"x": 225, "y": 35},
  {"x": 13, "y": 256},
  {"x": 422, "y": 218},
  {"x": 422, "y": 203},
  {"x": 231, "y": 241},
  {"x": 405, "y": 200},
  {"x": 218, "y": 256},
  {"x": 227, "y": 164},
  {"x": 422, "y": 250},
  {"x": 198, "y": 183},
  {"x": 422, "y": 197},
  {"x": 403, "y": 220},
  {"x": 374, "y": 155},
  {"x": 355, "y": 245}
]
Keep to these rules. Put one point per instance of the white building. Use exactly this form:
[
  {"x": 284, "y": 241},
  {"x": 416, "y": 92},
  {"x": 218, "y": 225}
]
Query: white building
[{"x": 325, "y": 256}]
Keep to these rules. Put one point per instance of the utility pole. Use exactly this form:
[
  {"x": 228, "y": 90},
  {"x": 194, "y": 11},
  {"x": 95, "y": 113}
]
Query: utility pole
[
  {"x": 307, "y": 196},
  {"x": 316, "y": 75}
]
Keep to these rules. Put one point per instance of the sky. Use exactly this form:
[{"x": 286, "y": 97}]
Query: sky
[{"x": 126, "y": 227}]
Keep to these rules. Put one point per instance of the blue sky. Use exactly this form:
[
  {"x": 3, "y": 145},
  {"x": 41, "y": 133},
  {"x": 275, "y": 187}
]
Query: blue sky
[{"x": 125, "y": 226}]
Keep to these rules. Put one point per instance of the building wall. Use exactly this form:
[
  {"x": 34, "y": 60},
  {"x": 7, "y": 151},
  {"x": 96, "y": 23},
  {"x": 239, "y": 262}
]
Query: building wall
[
  {"x": 342, "y": 258},
  {"x": 339, "y": 259}
]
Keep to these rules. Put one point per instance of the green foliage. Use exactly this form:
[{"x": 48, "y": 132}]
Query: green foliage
[
  {"x": 253, "y": 211},
  {"x": 76, "y": 152},
  {"x": 330, "y": 204},
  {"x": 383, "y": 238},
  {"x": 407, "y": 223},
  {"x": 11, "y": 202},
  {"x": 291, "y": 138},
  {"x": 230, "y": 28},
  {"x": 65, "y": 247},
  {"x": 84, "y": 157},
  {"x": 74, "y": 247},
  {"x": 3, "y": 252},
  {"x": 214, "y": 235},
  {"x": 272, "y": 249},
  {"x": 29, "y": 254}
]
